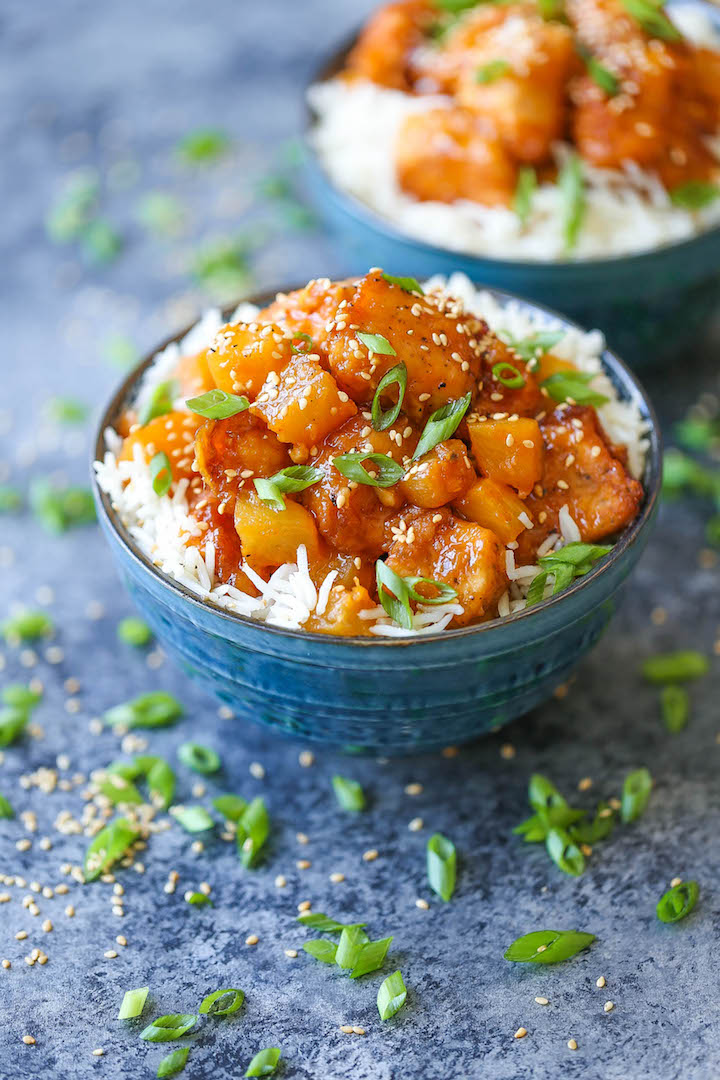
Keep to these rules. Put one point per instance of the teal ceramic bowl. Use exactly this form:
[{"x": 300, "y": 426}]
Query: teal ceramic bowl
[
  {"x": 384, "y": 695},
  {"x": 649, "y": 305}
]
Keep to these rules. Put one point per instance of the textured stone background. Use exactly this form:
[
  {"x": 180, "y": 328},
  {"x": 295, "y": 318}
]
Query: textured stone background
[{"x": 115, "y": 86}]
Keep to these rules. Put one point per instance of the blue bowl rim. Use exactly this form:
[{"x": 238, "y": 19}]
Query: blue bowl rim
[
  {"x": 623, "y": 378},
  {"x": 369, "y": 218}
]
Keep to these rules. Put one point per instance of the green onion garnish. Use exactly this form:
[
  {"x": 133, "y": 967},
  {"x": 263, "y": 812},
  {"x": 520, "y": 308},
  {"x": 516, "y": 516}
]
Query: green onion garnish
[
  {"x": 391, "y": 996},
  {"x": 351, "y": 466},
  {"x": 264, "y": 1062},
  {"x": 307, "y": 342},
  {"x": 133, "y": 1003},
  {"x": 352, "y": 941},
  {"x": 371, "y": 957},
  {"x": 508, "y": 375},
  {"x": 193, "y": 819},
  {"x": 542, "y": 793},
  {"x": 548, "y": 946},
  {"x": 675, "y": 707},
  {"x": 676, "y": 667},
  {"x": 325, "y": 925},
  {"x": 600, "y": 75},
  {"x": 223, "y": 1008},
  {"x": 572, "y": 195},
  {"x": 348, "y": 793},
  {"x": 160, "y": 402},
  {"x": 253, "y": 829},
  {"x": 635, "y": 794},
  {"x": 294, "y": 478},
  {"x": 197, "y": 899},
  {"x": 26, "y": 626},
  {"x": 382, "y": 420},
  {"x": 10, "y": 499},
  {"x": 110, "y": 844},
  {"x": 678, "y": 902},
  {"x": 156, "y": 709},
  {"x": 161, "y": 214},
  {"x": 133, "y": 631},
  {"x": 60, "y": 509},
  {"x": 205, "y": 144},
  {"x": 156, "y": 771},
  {"x": 321, "y": 950},
  {"x": 232, "y": 807},
  {"x": 564, "y": 852},
  {"x": 694, "y": 195},
  {"x": 121, "y": 352},
  {"x": 161, "y": 473},
  {"x": 574, "y": 386},
  {"x": 6, "y": 810},
  {"x": 100, "y": 242},
  {"x": 524, "y": 190},
  {"x": 537, "y": 345},
  {"x": 442, "y": 424},
  {"x": 441, "y": 865},
  {"x": 407, "y": 284},
  {"x": 395, "y": 593},
  {"x": 19, "y": 696},
  {"x": 118, "y": 789},
  {"x": 218, "y": 405},
  {"x": 65, "y": 410},
  {"x": 12, "y": 724},
  {"x": 552, "y": 9},
  {"x": 591, "y": 832},
  {"x": 200, "y": 758},
  {"x": 490, "y": 72},
  {"x": 168, "y": 1028},
  {"x": 652, "y": 19},
  {"x": 376, "y": 343},
  {"x": 571, "y": 561},
  {"x": 174, "y": 1063}
]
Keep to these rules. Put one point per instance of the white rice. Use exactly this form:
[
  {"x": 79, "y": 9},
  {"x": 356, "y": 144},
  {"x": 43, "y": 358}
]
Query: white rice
[
  {"x": 627, "y": 210},
  {"x": 162, "y": 525}
]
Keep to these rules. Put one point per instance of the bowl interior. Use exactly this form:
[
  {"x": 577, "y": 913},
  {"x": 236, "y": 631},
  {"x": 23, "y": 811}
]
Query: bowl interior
[{"x": 628, "y": 388}]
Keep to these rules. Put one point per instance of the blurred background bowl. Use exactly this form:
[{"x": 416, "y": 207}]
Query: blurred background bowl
[
  {"x": 383, "y": 695},
  {"x": 649, "y": 305}
]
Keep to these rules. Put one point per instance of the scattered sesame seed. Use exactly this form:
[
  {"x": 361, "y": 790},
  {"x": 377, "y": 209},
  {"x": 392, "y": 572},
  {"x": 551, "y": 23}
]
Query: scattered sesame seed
[
  {"x": 600, "y": 982},
  {"x": 6, "y": 964},
  {"x": 416, "y": 824},
  {"x": 28, "y": 1040},
  {"x": 21, "y": 935},
  {"x": 70, "y": 911},
  {"x": 585, "y": 784},
  {"x": 413, "y": 789},
  {"x": 292, "y": 953},
  {"x": 257, "y": 770},
  {"x": 572, "y": 1045},
  {"x": 450, "y": 751},
  {"x": 346, "y": 1028},
  {"x": 121, "y": 940},
  {"x": 520, "y": 1033},
  {"x": 303, "y": 864},
  {"x": 542, "y": 1000},
  {"x": 422, "y": 904},
  {"x": 507, "y": 751},
  {"x": 336, "y": 878},
  {"x": 110, "y": 954},
  {"x": 358, "y": 1030},
  {"x": 252, "y": 939},
  {"x": 371, "y": 855},
  {"x": 608, "y": 1006},
  {"x": 304, "y": 905},
  {"x": 99, "y": 1052},
  {"x": 280, "y": 881},
  {"x": 306, "y": 758},
  {"x": 47, "y": 926},
  {"x": 675, "y": 881}
]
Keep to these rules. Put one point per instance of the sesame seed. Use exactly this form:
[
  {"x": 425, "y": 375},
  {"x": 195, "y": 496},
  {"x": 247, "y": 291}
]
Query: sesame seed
[
  {"x": 585, "y": 784},
  {"x": 572, "y": 1045},
  {"x": 70, "y": 911},
  {"x": 542, "y": 1001},
  {"x": 413, "y": 789},
  {"x": 47, "y": 926},
  {"x": 346, "y": 1028},
  {"x": 28, "y": 1040},
  {"x": 306, "y": 758},
  {"x": 303, "y": 864},
  {"x": 110, "y": 954},
  {"x": 359, "y": 1030},
  {"x": 21, "y": 935},
  {"x": 600, "y": 982},
  {"x": 675, "y": 882},
  {"x": 608, "y": 1006},
  {"x": 520, "y": 1033},
  {"x": 304, "y": 905},
  {"x": 252, "y": 939},
  {"x": 507, "y": 751},
  {"x": 422, "y": 904},
  {"x": 337, "y": 877},
  {"x": 302, "y": 838},
  {"x": 541, "y": 948},
  {"x": 370, "y": 856},
  {"x": 6, "y": 964},
  {"x": 416, "y": 824},
  {"x": 121, "y": 940}
]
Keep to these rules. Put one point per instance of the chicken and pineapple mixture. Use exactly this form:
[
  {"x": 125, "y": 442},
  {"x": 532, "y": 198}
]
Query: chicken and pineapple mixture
[
  {"x": 413, "y": 454},
  {"x": 615, "y": 78}
]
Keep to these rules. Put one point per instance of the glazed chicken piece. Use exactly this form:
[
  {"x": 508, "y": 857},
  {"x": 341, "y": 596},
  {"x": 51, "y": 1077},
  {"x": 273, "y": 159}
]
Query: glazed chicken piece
[
  {"x": 242, "y": 356},
  {"x": 172, "y": 434},
  {"x": 583, "y": 472},
  {"x": 308, "y": 310},
  {"x": 383, "y": 52},
  {"x": 500, "y": 363},
  {"x": 437, "y": 341},
  {"x": 443, "y": 155},
  {"x": 231, "y": 453},
  {"x": 342, "y": 614},
  {"x": 509, "y": 66},
  {"x": 434, "y": 544}
]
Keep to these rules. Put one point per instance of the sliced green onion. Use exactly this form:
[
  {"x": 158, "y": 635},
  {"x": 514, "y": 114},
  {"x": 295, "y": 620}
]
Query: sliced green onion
[
  {"x": 10, "y": 499},
  {"x": 218, "y": 405},
  {"x": 170, "y": 1027},
  {"x": 351, "y": 466},
  {"x": 228, "y": 1008},
  {"x": 12, "y": 724},
  {"x": 100, "y": 242},
  {"x": 60, "y": 509},
  {"x": 174, "y": 1063},
  {"x": 27, "y": 626},
  {"x": 678, "y": 902},
  {"x": 635, "y": 794},
  {"x": 119, "y": 790},
  {"x": 65, "y": 410},
  {"x": 253, "y": 829},
  {"x": 19, "y": 696},
  {"x": 306, "y": 340},
  {"x": 6, "y": 810},
  {"x": 542, "y": 793},
  {"x": 371, "y": 957},
  {"x": 200, "y": 758},
  {"x": 600, "y": 75},
  {"x": 161, "y": 214},
  {"x": 232, "y": 807},
  {"x": 442, "y": 424},
  {"x": 382, "y": 420},
  {"x": 534, "y": 829},
  {"x": 524, "y": 190},
  {"x": 161, "y": 473},
  {"x": 156, "y": 709},
  {"x": 204, "y": 145},
  {"x": 535, "y": 346},
  {"x": 591, "y": 832},
  {"x": 441, "y": 865},
  {"x": 376, "y": 343},
  {"x": 569, "y": 562},
  {"x": 348, "y": 793},
  {"x": 694, "y": 195},
  {"x": 133, "y": 631},
  {"x": 564, "y": 852},
  {"x": 551, "y": 9},
  {"x": 133, "y": 1003},
  {"x": 160, "y": 780},
  {"x": 160, "y": 402},
  {"x": 675, "y": 707},
  {"x": 351, "y": 944},
  {"x": 321, "y": 950},
  {"x": 548, "y": 946},
  {"x": 197, "y": 899},
  {"x": 395, "y": 593},
  {"x": 391, "y": 996},
  {"x": 294, "y": 478},
  {"x": 676, "y": 667},
  {"x": 514, "y": 380},
  {"x": 264, "y": 1062},
  {"x": 652, "y": 19},
  {"x": 325, "y": 925},
  {"x": 193, "y": 819},
  {"x": 110, "y": 844},
  {"x": 573, "y": 386},
  {"x": 572, "y": 197},
  {"x": 407, "y": 284},
  {"x": 490, "y": 72},
  {"x": 121, "y": 352}
]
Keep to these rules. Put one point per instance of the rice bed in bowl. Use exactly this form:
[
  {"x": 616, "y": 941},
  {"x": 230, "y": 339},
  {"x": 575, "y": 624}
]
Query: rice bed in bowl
[{"x": 170, "y": 530}]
